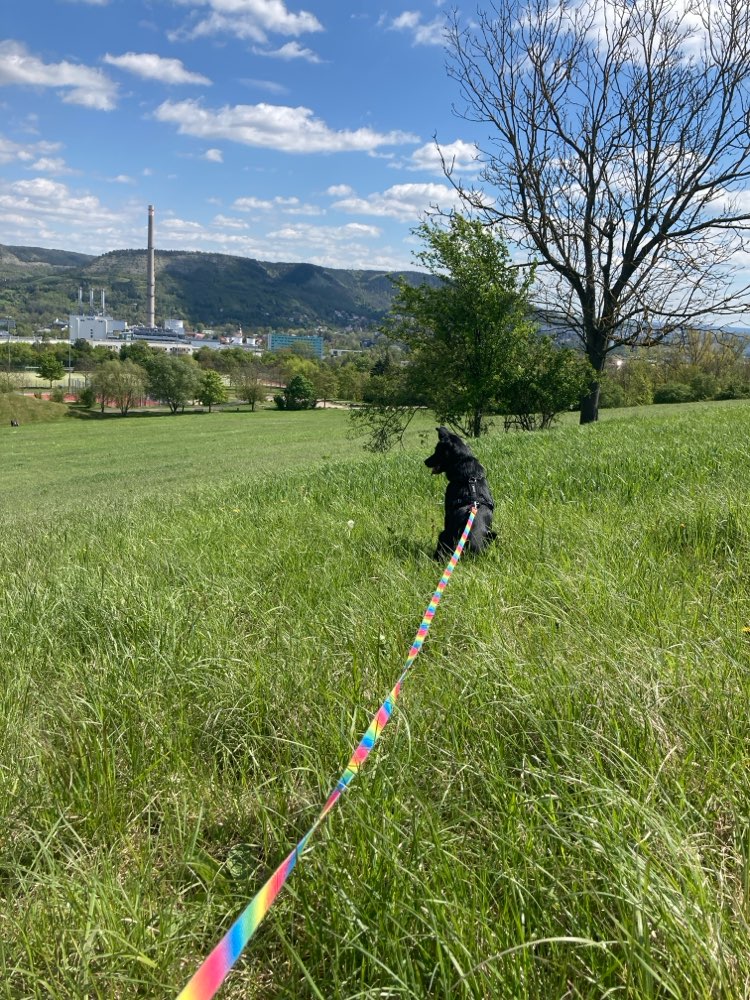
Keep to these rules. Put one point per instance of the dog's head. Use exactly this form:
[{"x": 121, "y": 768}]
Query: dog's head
[{"x": 449, "y": 452}]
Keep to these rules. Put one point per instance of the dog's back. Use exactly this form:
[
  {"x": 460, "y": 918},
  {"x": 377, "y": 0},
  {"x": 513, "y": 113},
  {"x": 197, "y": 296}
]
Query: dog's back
[{"x": 467, "y": 485}]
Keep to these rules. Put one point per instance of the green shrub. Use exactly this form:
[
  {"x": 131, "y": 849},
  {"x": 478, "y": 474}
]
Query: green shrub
[
  {"x": 57, "y": 395},
  {"x": 611, "y": 396},
  {"x": 704, "y": 385},
  {"x": 674, "y": 392},
  {"x": 734, "y": 390},
  {"x": 298, "y": 395},
  {"x": 87, "y": 397}
]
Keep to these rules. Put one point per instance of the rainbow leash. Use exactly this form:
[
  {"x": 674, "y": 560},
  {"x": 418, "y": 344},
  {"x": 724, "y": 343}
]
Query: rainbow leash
[{"x": 212, "y": 973}]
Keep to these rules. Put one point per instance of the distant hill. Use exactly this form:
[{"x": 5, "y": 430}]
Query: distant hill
[
  {"x": 38, "y": 255},
  {"x": 37, "y": 286}
]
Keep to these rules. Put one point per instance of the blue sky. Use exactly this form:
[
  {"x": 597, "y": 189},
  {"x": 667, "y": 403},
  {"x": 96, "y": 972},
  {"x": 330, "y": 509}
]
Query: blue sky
[{"x": 261, "y": 128}]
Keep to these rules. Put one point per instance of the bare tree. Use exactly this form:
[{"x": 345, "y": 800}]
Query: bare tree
[{"x": 619, "y": 154}]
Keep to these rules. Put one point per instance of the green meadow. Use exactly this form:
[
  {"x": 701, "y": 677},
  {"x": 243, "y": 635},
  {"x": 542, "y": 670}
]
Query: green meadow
[{"x": 193, "y": 639}]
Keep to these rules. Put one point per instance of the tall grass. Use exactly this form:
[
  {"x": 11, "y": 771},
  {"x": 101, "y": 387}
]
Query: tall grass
[{"x": 559, "y": 807}]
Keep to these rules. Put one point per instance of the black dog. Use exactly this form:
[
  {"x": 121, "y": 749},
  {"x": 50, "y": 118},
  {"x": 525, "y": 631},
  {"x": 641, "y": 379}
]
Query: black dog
[{"x": 467, "y": 485}]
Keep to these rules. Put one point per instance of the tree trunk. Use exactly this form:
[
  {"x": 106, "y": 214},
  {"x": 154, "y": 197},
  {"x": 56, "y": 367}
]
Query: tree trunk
[
  {"x": 476, "y": 423},
  {"x": 590, "y": 404},
  {"x": 596, "y": 352}
]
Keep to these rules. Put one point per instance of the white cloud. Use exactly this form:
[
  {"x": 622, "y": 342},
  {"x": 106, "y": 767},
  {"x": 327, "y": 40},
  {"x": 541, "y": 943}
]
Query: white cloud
[
  {"x": 304, "y": 208},
  {"x": 312, "y": 235},
  {"x": 50, "y": 165},
  {"x": 268, "y": 85},
  {"x": 604, "y": 15},
  {"x": 287, "y": 206},
  {"x": 230, "y": 223},
  {"x": 11, "y": 152},
  {"x": 402, "y": 201},
  {"x": 339, "y": 190},
  {"x": 42, "y": 201},
  {"x": 78, "y": 84},
  {"x": 246, "y": 19},
  {"x": 289, "y": 51},
  {"x": 151, "y": 66},
  {"x": 252, "y": 205},
  {"x": 122, "y": 179},
  {"x": 271, "y": 126},
  {"x": 214, "y": 156},
  {"x": 462, "y": 156},
  {"x": 422, "y": 32},
  {"x": 172, "y": 226}
]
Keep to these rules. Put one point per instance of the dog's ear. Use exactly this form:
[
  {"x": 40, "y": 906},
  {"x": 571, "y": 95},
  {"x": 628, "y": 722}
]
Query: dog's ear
[{"x": 443, "y": 433}]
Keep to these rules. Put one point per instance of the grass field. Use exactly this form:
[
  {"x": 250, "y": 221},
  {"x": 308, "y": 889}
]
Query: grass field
[{"x": 192, "y": 640}]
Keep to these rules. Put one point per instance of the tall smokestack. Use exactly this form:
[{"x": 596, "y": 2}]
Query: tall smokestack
[{"x": 150, "y": 280}]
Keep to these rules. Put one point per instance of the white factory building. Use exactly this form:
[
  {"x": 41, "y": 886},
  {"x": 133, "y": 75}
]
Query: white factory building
[{"x": 95, "y": 327}]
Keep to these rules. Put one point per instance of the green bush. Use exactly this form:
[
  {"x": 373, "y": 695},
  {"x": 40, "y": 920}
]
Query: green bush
[
  {"x": 87, "y": 396},
  {"x": 57, "y": 395},
  {"x": 674, "y": 392},
  {"x": 612, "y": 396},
  {"x": 734, "y": 390},
  {"x": 298, "y": 395},
  {"x": 704, "y": 385}
]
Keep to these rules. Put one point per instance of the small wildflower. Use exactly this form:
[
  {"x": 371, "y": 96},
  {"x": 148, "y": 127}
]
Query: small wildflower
[{"x": 350, "y": 525}]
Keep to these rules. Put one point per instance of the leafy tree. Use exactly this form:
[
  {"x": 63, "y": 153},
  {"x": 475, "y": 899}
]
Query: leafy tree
[
  {"x": 299, "y": 394},
  {"x": 546, "y": 381},
  {"x": 351, "y": 382},
  {"x": 618, "y": 153},
  {"x": 212, "y": 389},
  {"x": 137, "y": 351},
  {"x": 392, "y": 401},
  {"x": 21, "y": 355},
  {"x": 50, "y": 368},
  {"x": 629, "y": 382},
  {"x": 293, "y": 364},
  {"x": 326, "y": 383},
  {"x": 173, "y": 380},
  {"x": 225, "y": 360},
  {"x": 464, "y": 329},
  {"x": 122, "y": 382},
  {"x": 247, "y": 383}
]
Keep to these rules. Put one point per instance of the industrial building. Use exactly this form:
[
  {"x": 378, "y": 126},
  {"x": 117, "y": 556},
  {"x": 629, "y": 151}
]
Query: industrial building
[{"x": 93, "y": 326}]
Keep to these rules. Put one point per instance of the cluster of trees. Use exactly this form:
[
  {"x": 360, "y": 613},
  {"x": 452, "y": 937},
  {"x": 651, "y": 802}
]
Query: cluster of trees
[
  {"x": 209, "y": 377},
  {"x": 701, "y": 364},
  {"x": 175, "y": 381},
  {"x": 82, "y": 354}
]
